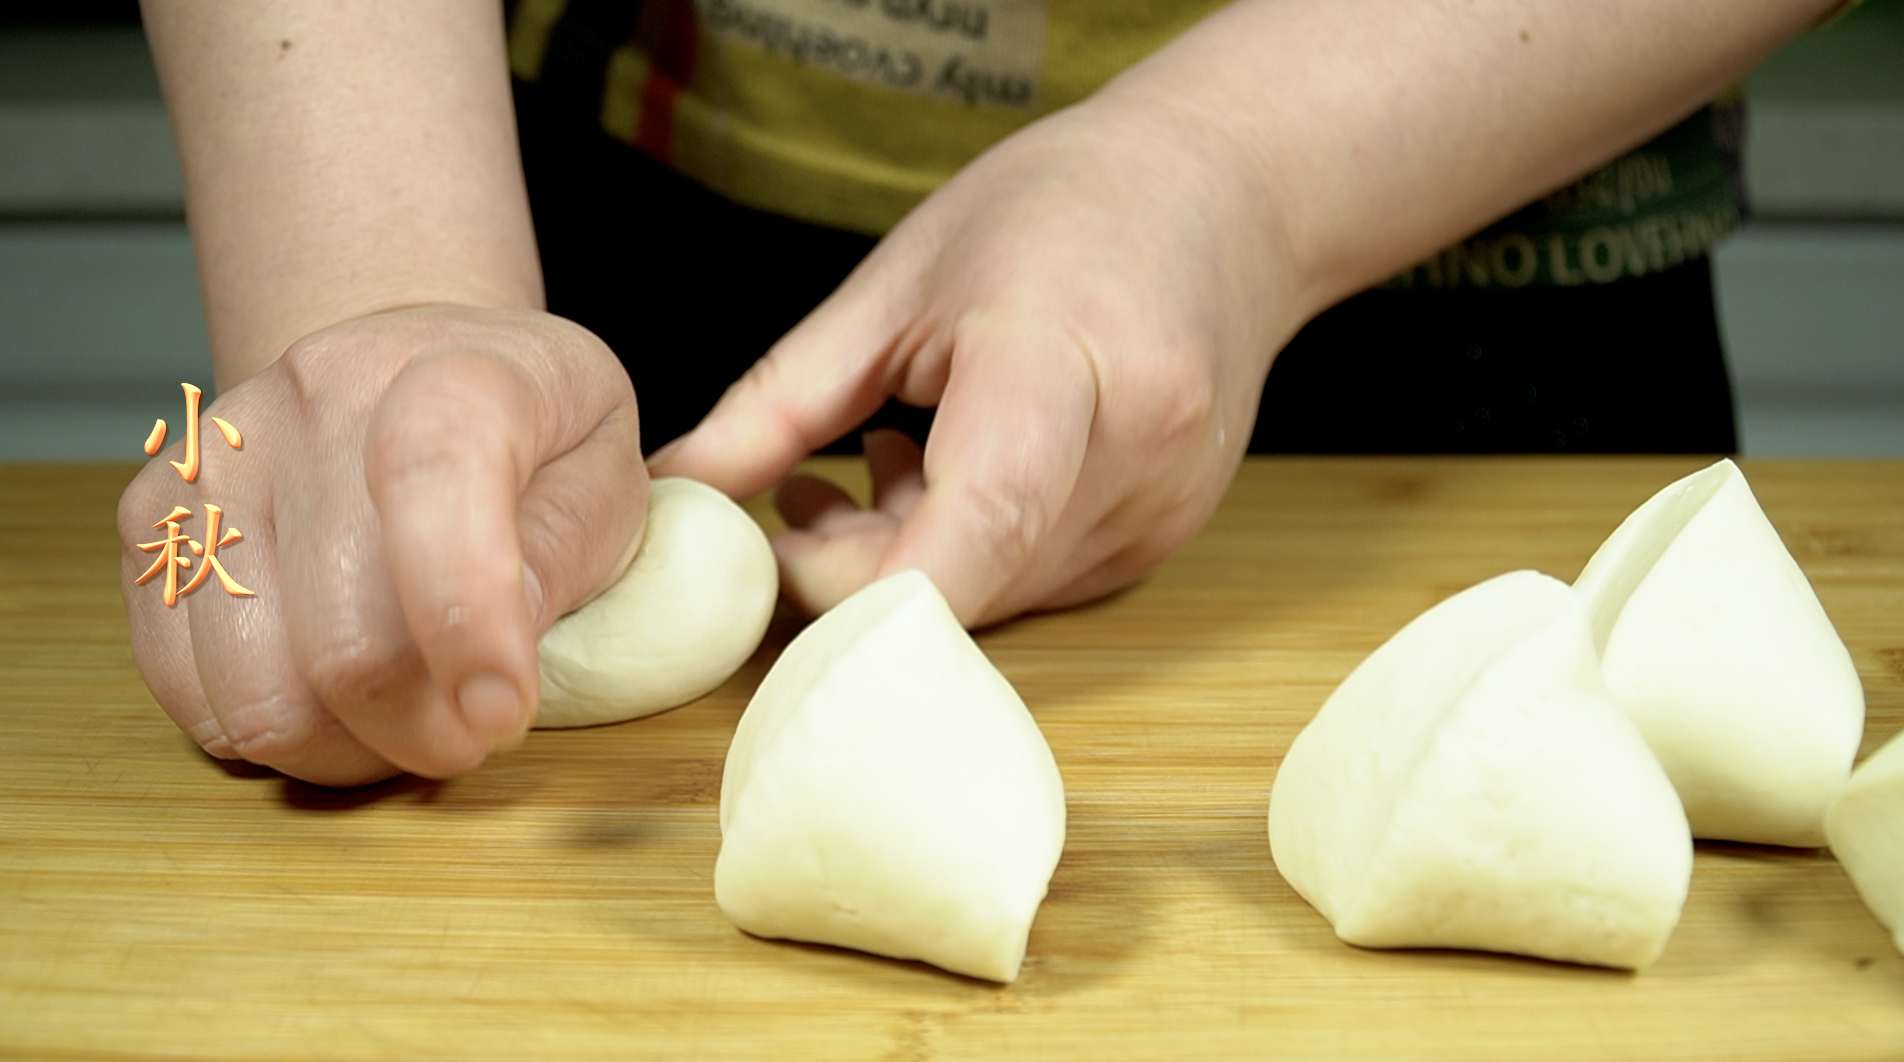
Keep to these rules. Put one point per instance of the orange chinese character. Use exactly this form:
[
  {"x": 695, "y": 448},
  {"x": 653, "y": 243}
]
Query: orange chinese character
[
  {"x": 189, "y": 467},
  {"x": 172, "y": 559}
]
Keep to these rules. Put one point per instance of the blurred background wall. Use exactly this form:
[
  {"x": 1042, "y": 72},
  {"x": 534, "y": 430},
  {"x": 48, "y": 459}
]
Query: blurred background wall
[{"x": 100, "y": 318}]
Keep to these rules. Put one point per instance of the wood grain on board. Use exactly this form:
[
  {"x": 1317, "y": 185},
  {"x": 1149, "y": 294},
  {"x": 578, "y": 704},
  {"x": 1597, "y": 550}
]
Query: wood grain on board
[{"x": 558, "y": 903}]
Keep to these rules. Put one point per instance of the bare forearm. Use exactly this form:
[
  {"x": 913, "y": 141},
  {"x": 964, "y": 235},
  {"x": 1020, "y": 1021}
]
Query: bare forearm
[
  {"x": 1377, "y": 131},
  {"x": 342, "y": 157}
]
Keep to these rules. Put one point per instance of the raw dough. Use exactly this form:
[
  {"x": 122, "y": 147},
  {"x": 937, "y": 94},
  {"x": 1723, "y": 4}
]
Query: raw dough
[
  {"x": 1715, "y": 644},
  {"x": 1866, "y": 830},
  {"x": 687, "y": 613},
  {"x": 1472, "y": 785},
  {"x": 886, "y": 790}
]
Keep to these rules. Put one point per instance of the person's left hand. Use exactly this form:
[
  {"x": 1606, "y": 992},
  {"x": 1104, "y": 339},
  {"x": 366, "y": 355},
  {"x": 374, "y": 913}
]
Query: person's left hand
[{"x": 1092, "y": 306}]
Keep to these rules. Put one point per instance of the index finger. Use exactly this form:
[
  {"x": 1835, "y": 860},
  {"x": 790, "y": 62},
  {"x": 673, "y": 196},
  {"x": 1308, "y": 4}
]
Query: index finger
[
  {"x": 1006, "y": 449},
  {"x": 828, "y": 374}
]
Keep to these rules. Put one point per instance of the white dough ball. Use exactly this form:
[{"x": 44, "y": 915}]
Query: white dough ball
[
  {"x": 1472, "y": 785},
  {"x": 689, "y": 611},
  {"x": 1713, "y": 641},
  {"x": 887, "y": 791},
  {"x": 1866, "y": 830}
]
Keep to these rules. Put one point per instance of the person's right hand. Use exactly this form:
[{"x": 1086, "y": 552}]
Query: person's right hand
[{"x": 421, "y": 493}]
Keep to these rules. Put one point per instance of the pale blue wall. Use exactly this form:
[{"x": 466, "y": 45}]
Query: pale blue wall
[{"x": 100, "y": 318}]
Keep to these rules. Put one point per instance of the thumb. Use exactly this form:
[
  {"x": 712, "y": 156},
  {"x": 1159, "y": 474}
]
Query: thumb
[
  {"x": 445, "y": 499},
  {"x": 824, "y": 378},
  {"x": 489, "y": 533},
  {"x": 1005, "y": 453}
]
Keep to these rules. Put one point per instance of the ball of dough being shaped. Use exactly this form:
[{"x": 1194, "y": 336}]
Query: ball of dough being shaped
[
  {"x": 688, "y": 612},
  {"x": 888, "y": 791},
  {"x": 1866, "y": 829},
  {"x": 1712, "y": 640},
  {"x": 1472, "y": 785}
]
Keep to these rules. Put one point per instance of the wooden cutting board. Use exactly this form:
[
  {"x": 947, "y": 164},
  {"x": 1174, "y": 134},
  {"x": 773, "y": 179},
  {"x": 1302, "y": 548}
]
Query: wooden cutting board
[{"x": 558, "y": 903}]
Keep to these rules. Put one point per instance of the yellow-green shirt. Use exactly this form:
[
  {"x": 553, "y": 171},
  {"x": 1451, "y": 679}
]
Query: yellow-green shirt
[{"x": 847, "y": 113}]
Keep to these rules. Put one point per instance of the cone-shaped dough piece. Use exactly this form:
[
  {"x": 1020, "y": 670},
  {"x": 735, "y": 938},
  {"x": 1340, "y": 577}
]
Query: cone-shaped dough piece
[
  {"x": 1866, "y": 830},
  {"x": 687, "y": 613},
  {"x": 887, "y": 791},
  {"x": 1712, "y": 640},
  {"x": 1472, "y": 785}
]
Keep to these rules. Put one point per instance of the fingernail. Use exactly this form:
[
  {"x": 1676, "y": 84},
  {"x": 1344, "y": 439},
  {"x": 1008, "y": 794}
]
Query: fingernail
[{"x": 490, "y": 707}]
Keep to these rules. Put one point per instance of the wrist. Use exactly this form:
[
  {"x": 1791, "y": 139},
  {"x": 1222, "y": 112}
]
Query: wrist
[
  {"x": 1219, "y": 181},
  {"x": 240, "y": 352}
]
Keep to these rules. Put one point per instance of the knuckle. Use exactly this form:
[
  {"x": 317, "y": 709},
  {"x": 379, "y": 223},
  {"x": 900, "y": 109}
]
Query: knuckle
[
  {"x": 269, "y": 731},
  {"x": 766, "y": 385},
  {"x": 269, "y": 746},
  {"x": 1011, "y": 518},
  {"x": 773, "y": 395},
  {"x": 311, "y": 363},
  {"x": 338, "y": 372},
  {"x": 1183, "y": 398}
]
